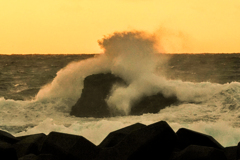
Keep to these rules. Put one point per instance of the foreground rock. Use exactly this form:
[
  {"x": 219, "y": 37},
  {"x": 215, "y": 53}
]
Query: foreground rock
[
  {"x": 66, "y": 146},
  {"x": 31, "y": 144},
  {"x": 145, "y": 143},
  {"x": 188, "y": 137},
  {"x": 194, "y": 152},
  {"x": 137, "y": 141},
  {"x": 116, "y": 137},
  {"x": 97, "y": 88}
]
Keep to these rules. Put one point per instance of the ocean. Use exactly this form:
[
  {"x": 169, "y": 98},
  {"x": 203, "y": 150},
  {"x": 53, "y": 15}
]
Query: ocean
[{"x": 38, "y": 91}]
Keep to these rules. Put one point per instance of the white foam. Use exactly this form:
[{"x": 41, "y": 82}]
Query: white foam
[
  {"x": 206, "y": 107},
  {"x": 69, "y": 81},
  {"x": 129, "y": 55},
  {"x": 96, "y": 130}
]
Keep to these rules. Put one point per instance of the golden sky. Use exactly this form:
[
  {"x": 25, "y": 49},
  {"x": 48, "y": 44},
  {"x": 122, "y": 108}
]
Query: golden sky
[{"x": 75, "y": 26}]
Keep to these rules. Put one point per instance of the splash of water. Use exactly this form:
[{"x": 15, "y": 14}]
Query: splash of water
[
  {"x": 133, "y": 59},
  {"x": 131, "y": 56}
]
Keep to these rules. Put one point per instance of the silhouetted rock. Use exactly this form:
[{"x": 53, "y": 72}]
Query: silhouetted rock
[
  {"x": 194, "y": 152},
  {"x": 69, "y": 146},
  {"x": 92, "y": 101},
  {"x": 29, "y": 157},
  {"x": 7, "y": 152},
  {"x": 231, "y": 153},
  {"x": 238, "y": 150},
  {"x": 155, "y": 140},
  {"x": 48, "y": 157},
  {"x": 117, "y": 136},
  {"x": 137, "y": 141},
  {"x": 40, "y": 157},
  {"x": 7, "y": 137},
  {"x": 188, "y": 137},
  {"x": 97, "y": 88},
  {"x": 31, "y": 144},
  {"x": 152, "y": 104}
]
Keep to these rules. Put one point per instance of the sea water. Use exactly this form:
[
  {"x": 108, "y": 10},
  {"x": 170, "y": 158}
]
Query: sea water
[{"x": 38, "y": 91}]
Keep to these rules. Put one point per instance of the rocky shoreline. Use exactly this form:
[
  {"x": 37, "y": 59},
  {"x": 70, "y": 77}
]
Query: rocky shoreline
[{"x": 138, "y": 141}]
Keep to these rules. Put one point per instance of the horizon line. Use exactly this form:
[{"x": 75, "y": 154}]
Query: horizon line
[{"x": 103, "y": 53}]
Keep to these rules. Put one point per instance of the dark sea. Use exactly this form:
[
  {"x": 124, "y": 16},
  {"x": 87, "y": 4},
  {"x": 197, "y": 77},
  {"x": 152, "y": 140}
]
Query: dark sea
[{"x": 38, "y": 91}]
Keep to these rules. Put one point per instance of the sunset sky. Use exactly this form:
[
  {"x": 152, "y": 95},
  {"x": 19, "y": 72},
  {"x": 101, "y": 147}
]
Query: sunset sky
[{"x": 75, "y": 26}]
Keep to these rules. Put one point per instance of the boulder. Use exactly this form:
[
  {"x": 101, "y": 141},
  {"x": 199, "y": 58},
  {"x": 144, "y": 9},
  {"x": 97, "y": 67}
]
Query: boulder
[
  {"x": 188, "y": 137},
  {"x": 97, "y": 88},
  {"x": 117, "y": 136},
  {"x": 7, "y": 137},
  {"x": 69, "y": 146},
  {"x": 152, "y": 104},
  {"x": 48, "y": 157},
  {"x": 92, "y": 101},
  {"x": 137, "y": 141},
  {"x": 40, "y": 157},
  {"x": 231, "y": 152},
  {"x": 29, "y": 157},
  {"x": 238, "y": 150},
  {"x": 195, "y": 152},
  {"x": 7, "y": 152},
  {"x": 155, "y": 140},
  {"x": 30, "y": 144}
]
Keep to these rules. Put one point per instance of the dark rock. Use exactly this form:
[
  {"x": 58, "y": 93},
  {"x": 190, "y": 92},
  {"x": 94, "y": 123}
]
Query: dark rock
[
  {"x": 7, "y": 152},
  {"x": 231, "y": 152},
  {"x": 83, "y": 149},
  {"x": 152, "y": 104},
  {"x": 155, "y": 140},
  {"x": 40, "y": 157},
  {"x": 30, "y": 144},
  {"x": 97, "y": 88},
  {"x": 69, "y": 146},
  {"x": 194, "y": 152},
  {"x": 188, "y": 137},
  {"x": 48, "y": 157},
  {"x": 238, "y": 150},
  {"x": 137, "y": 141},
  {"x": 7, "y": 137},
  {"x": 29, "y": 157},
  {"x": 117, "y": 136},
  {"x": 92, "y": 101}
]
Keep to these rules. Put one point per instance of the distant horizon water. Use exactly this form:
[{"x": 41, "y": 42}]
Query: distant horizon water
[
  {"x": 38, "y": 91},
  {"x": 103, "y": 53}
]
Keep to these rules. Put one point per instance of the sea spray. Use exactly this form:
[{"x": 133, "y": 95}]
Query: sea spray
[
  {"x": 69, "y": 81},
  {"x": 206, "y": 106},
  {"x": 210, "y": 108},
  {"x": 134, "y": 59},
  {"x": 131, "y": 56}
]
